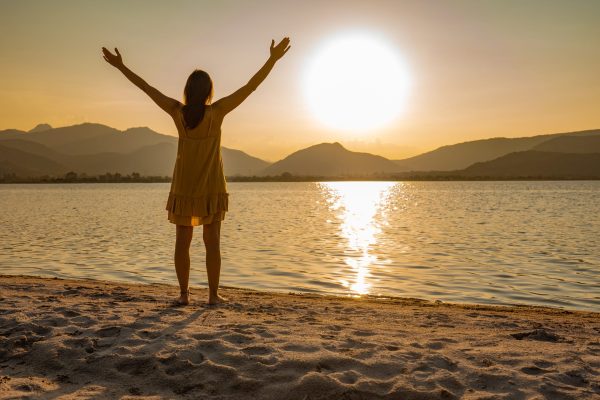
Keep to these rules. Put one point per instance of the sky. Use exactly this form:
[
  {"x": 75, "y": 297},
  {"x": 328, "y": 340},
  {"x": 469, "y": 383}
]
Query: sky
[{"x": 477, "y": 69}]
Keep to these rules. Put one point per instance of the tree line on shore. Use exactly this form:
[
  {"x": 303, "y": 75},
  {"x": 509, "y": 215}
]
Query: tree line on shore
[
  {"x": 74, "y": 177},
  {"x": 134, "y": 177}
]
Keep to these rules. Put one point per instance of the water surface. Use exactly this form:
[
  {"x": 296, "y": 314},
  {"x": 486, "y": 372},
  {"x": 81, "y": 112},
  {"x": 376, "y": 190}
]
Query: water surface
[{"x": 476, "y": 242}]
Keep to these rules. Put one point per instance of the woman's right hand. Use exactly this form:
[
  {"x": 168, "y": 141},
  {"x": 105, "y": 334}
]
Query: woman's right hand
[{"x": 282, "y": 47}]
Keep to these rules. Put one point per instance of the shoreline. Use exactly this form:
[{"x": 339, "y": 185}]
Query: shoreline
[
  {"x": 309, "y": 293},
  {"x": 90, "y": 338},
  {"x": 276, "y": 179}
]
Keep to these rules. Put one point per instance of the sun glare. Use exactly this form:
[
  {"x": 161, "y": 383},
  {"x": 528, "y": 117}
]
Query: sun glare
[
  {"x": 356, "y": 82},
  {"x": 360, "y": 206}
]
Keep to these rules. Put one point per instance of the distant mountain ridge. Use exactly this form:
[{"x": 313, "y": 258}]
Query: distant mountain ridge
[
  {"x": 571, "y": 144},
  {"x": 331, "y": 159},
  {"x": 25, "y": 164},
  {"x": 96, "y": 149},
  {"x": 41, "y": 128},
  {"x": 538, "y": 165},
  {"x": 461, "y": 155}
]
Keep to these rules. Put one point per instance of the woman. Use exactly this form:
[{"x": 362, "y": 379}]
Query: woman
[{"x": 198, "y": 194}]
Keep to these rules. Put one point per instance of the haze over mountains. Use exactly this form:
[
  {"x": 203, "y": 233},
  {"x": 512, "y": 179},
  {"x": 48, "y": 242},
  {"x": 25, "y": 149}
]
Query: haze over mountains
[
  {"x": 96, "y": 149},
  {"x": 461, "y": 155}
]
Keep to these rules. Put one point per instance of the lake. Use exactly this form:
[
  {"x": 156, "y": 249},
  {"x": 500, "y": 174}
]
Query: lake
[{"x": 534, "y": 243}]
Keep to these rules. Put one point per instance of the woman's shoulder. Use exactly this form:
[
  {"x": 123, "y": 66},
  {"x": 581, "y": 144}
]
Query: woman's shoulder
[
  {"x": 177, "y": 110},
  {"x": 218, "y": 108},
  {"x": 179, "y": 106}
]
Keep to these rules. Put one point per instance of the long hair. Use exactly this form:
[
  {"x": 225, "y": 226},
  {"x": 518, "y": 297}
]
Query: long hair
[{"x": 197, "y": 94}]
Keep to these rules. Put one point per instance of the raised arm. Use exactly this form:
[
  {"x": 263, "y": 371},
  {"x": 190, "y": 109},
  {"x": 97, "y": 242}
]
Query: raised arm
[
  {"x": 226, "y": 104},
  {"x": 166, "y": 103}
]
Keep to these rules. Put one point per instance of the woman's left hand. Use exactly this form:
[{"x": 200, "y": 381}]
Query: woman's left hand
[{"x": 114, "y": 60}]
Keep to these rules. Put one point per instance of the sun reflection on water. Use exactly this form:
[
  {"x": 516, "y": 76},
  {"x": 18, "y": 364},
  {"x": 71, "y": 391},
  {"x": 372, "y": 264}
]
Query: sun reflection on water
[{"x": 361, "y": 208}]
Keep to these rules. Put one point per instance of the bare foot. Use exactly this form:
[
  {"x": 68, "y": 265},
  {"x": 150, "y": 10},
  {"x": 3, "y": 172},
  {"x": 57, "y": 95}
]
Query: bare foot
[
  {"x": 212, "y": 300},
  {"x": 183, "y": 300}
]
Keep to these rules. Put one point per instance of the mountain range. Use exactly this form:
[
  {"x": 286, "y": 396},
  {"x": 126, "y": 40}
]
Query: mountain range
[
  {"x": 462, "y": 155},
  {"x": 96, "y": 149}
]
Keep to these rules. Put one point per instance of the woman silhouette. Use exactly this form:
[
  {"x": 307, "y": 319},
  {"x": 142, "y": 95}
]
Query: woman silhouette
[{"x": 198, "y": 194}]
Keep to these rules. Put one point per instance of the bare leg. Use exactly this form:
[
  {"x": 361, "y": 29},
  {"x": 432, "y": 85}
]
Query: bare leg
[
  {"x": 182, "y": 260},
  {"x": 212, "y": 242}
]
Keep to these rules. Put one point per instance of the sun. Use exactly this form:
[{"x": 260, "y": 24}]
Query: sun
[{"x": 355, "y": 82}]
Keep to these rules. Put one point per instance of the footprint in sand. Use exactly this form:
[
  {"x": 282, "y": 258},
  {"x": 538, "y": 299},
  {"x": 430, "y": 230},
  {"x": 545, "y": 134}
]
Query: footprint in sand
[
  {"x": 346, "y": 377},
  {"x": 239, "y": 328},
  {"x": 80, "y": 342},
  {"x": 328, "y": 337},
  {"x": 237, "y": 338},
  {"x": 364, "y": 333},
  {"x": 442, "y": 362},
  {"x": 543, "y": 364},
  {"x": 265, "y": 334},
  {"x": 176, "y": 366},
  {"x": 139, "y": 324},
  {"x": 38, "y": 329},
  {"x": 322, "y": 366},
  {"x": 307, "y": 318},
  {"x": 257, "y": 350},
  {"x": 203, "y": 336},
  {"x": 551, "y": 391},
  {"x": 69, "y": 291},
  {"x": 575, "y": 377},
  {"x": 100, "y": 295},
  {"x": 300, "y": 348},
  {"x": 66, "y": 312},
  {"x": 435, "y": 345},
  {"x": 412, "y": 355},
  {"x": 484, "y": 362},
  {"x": 534, "y": 370},
  {"x": 435, "y": 362},
  {"x": 542, "y": 335},
  {"x": 594, "y": 348},
  {"x": 83, "y": 321},
  {"x": 55, "y": 321},
  {"x": 145, "y": 334},
  {"x": 109, "y": 331},
  {"x": 136, "y": 365}
]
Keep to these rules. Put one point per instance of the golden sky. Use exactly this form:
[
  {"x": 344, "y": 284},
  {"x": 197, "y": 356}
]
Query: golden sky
[{"x": 478, "y": 69}]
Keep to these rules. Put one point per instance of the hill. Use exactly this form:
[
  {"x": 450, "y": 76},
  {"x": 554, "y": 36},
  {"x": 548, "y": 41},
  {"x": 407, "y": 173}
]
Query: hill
[
  {"x": 538, "y": 164},
  {"x": 236, "y": 162},
  {"x": 462, "y": 155},
  {"x": 41, "y": 128},
  {"x": 571, "y": 144},
  {"x": 96, "y": 149},
  {"x": 24, "y": 164},
  {"x": 331, "y": 159}
]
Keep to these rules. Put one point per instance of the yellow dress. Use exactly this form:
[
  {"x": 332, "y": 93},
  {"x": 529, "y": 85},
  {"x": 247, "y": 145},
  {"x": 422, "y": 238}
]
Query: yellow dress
[{"x": 198, "y": 193}]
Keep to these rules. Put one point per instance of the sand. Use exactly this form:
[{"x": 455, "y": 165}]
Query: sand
[{"x": 82, "y": 339}]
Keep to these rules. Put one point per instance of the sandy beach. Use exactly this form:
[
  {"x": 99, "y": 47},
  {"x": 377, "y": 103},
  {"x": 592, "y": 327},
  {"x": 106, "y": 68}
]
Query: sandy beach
[{"x": 76, "y": 339}]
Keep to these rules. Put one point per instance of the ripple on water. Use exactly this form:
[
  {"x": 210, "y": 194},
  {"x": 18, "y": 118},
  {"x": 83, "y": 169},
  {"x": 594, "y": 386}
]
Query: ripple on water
[{"x": 484, "y": 242}]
